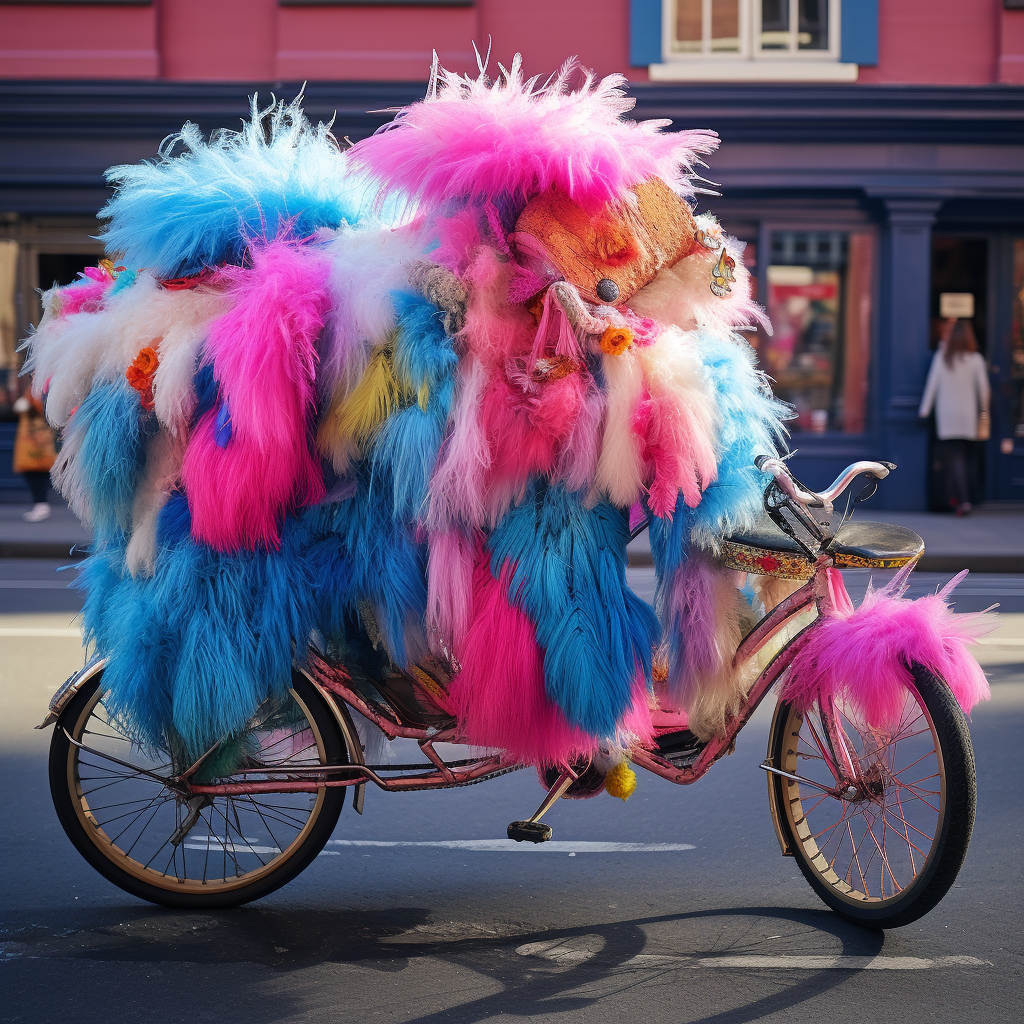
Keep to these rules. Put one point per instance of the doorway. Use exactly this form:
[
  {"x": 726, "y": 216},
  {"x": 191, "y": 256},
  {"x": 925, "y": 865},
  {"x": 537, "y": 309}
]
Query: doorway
[{"x": 959, "y": 286}]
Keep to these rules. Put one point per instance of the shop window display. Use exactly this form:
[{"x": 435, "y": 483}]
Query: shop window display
[{"x": 818, "y": 296}]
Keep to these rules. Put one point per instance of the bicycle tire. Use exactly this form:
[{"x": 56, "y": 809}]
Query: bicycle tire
[
  {"x": 88, "y": 830},
  {"x": 949, "y": 833}
]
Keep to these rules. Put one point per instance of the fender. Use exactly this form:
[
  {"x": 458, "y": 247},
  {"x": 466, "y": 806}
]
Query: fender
[
  {"x": 863, "y": 655},
  {"x": 60, "y": 700}
]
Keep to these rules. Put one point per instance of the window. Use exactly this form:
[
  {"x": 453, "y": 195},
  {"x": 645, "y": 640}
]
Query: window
[
  {"x": 753, "y": 40},
  {"x": 818, "y": 295},
  {"x": 754, "y": 29}
]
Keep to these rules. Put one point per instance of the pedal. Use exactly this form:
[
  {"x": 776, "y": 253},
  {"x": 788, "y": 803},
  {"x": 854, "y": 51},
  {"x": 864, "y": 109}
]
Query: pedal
[
  {"x": 530, "y": 832},
  {"x": 680, "y": 749}
]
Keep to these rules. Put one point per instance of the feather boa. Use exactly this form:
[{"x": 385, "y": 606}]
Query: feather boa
[
  {"x": 472, "y": 140},
  {"x": 888, "y": 632},
  {"x": 264, "y": 360},
  {"x": 569, "y": 578},
  {"x": 201, "y": 204}
]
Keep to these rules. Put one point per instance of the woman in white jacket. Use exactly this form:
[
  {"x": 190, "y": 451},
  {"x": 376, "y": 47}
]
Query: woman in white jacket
[{"x": 958, "y": 387}]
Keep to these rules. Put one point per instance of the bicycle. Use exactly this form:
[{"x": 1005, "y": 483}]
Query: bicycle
[{"x": 878, "y": 821}]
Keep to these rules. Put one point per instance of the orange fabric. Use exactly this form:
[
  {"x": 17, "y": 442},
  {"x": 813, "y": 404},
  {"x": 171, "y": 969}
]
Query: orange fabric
[
  {"x": 34, "y": 450},
  {"x": 625, "y": 243}
]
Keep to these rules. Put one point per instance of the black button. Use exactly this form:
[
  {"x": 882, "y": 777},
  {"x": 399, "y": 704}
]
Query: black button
[{"x": 607, "y": 290}]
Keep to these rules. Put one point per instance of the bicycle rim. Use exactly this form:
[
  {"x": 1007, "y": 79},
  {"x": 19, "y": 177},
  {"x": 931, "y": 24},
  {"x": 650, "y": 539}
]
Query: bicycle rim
[
  {"x": 868, "y": 852},
  {"x": 136, "y": 820}
]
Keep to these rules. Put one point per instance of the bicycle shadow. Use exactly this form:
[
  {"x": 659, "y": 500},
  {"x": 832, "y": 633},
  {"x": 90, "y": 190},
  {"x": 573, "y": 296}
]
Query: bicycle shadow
[{"x": 539, "y": 972}]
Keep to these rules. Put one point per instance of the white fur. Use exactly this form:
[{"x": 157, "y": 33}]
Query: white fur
[
  {"x": 367, "y": 264},
  {"x": 174, "y": 396},
  {"x": 681, "y": 294},
  {"x": 620, "y": 467},
  {"x": 163, "y": 467}
]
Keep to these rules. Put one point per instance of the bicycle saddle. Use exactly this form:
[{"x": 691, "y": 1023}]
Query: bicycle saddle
[{"x": 765, "y": 550}]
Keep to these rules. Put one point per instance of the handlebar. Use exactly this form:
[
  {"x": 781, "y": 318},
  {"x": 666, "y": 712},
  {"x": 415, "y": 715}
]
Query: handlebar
[{"x": 824, "y": 499}]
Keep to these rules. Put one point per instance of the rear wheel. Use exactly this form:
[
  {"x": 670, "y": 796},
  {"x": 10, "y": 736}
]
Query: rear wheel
[
  {"x": 887, "y": 854},
  {"x": 159, "y": 842}
]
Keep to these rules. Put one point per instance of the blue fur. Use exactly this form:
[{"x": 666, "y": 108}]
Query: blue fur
[
  {"x": 200, "y": 203},
  {"x": 115, "y": 430},
  {"x": 384, "y": 564},
  {"x": 406, "y": 448},
  {"x": 423, "y": 352},
  {"x": 569, "y": 578},
  {"x": 207, "y": 391}
]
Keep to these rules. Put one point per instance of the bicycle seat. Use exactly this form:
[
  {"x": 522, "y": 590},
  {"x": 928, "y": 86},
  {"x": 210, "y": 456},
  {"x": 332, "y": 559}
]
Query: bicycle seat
[{"x": 765, "y": 550}]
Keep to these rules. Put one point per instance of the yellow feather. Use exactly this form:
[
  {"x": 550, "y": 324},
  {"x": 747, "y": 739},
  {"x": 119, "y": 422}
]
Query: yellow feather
[{"x": 356, "y": 416}]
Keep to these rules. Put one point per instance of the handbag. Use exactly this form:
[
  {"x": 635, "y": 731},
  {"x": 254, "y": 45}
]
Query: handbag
[
  {"x": 984, "y": 425},
  {"x": 34, "y": 448}
]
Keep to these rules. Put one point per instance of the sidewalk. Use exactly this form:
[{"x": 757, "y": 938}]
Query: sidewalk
[{"x": 988, "y": 540}]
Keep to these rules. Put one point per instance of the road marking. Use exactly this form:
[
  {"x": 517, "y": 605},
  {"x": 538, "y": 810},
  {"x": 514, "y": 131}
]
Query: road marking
[
  {"x": 214, "y": 844},
  {"x": 39, "y": 631},
  {"x": 567, "y": 955},
  {"x": 1001, "y": 641},
  {"x": 511, "y": 846}
]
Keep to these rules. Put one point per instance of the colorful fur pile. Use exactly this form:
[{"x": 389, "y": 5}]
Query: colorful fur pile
[{"x": 351, "y": 394}]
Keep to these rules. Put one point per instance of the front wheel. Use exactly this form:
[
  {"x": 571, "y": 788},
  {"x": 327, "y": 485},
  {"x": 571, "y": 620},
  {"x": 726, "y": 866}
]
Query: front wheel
[
  {"x": 156, "y": 841},
  {"x": 886, "y": 855}
]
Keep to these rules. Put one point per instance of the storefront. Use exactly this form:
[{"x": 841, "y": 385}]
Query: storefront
[{"x": 860, "y": 207}]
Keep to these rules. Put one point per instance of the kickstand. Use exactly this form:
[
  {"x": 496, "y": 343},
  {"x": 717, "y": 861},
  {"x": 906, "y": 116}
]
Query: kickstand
[{"x": 534, "y": 830}]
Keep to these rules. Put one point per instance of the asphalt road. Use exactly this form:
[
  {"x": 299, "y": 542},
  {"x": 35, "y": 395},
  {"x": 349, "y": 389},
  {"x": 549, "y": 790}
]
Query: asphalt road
[{"x": 383, "y": 933}]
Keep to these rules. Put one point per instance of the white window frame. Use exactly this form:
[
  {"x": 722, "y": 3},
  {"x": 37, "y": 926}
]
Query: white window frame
[{"x": 750, "y": 62}]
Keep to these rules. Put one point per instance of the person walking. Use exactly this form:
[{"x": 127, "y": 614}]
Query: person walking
[
  {"x": 34, "y": 455},
  {"x": 959, "y": 390}
]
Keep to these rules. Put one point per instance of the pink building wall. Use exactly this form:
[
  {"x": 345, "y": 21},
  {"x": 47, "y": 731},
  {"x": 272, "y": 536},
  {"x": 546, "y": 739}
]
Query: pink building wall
[{"x": 948, "y": 42}]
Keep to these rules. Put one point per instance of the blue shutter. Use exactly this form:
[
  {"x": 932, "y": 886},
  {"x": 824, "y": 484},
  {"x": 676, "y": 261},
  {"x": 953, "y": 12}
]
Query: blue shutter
[
  {"x": 644, "y": 32},
  {"x": 858, "y": 42}
]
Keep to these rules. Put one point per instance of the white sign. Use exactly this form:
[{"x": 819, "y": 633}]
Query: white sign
[{"x": 956, "y": 304}]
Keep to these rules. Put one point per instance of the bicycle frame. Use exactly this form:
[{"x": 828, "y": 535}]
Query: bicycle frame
[{"x": 824, "y": 592}]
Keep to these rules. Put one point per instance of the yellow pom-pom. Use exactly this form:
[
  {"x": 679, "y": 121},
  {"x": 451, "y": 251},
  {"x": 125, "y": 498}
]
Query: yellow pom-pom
[{"x": 620, "y": 781}]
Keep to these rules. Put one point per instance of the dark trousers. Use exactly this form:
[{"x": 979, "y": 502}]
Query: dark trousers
[
  {"x": 39, "y": 485},
  {"x": 955, "y": 455}
]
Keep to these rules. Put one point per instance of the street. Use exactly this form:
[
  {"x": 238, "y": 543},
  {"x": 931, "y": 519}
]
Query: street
[{"x": 720, "y": 928}]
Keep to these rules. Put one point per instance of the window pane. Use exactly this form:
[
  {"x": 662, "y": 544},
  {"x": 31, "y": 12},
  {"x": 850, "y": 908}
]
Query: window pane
[
  {"x": 819, "y": 302},
  {"x": 725, "y": 25},
  {"x": 774, "y": 24},
  {"x": 813, "y": 29},
  {"x": 688, "y": 25}
]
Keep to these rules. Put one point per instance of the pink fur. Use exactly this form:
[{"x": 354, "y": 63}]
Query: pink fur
[
  {"x": 459, "y": 238},
  {"x": 863, "y": 655},
  {"x": 526, "y": 431},
  {"x": 457, "y": 486},
  {"x": 495, "y": 331},
  {"x": 499, "y": 697},
  {"x": 84, "y": 296},
  {"x": 264, "y": 358},
  {"x": 576, "y": 464},
  {"x": 450, "y": 588},
  {"x": 472, "y": 140}
]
